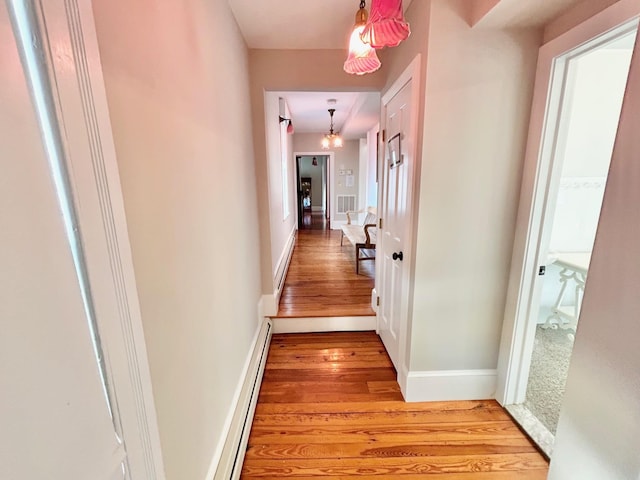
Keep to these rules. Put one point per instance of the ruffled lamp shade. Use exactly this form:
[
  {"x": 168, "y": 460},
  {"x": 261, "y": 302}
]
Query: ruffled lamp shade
[
  {"x": 362, "y": 57},
  {"x": 386, "y": 26}
]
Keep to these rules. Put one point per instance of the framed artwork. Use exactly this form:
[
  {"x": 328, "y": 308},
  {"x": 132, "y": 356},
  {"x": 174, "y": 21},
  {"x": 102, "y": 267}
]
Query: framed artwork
[{"x": 394, "y": 151}]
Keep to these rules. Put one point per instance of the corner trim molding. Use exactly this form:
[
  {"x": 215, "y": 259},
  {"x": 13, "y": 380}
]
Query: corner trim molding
[
  {"x": 75, "y": 111},
  {"x": 445, "y": 385}
]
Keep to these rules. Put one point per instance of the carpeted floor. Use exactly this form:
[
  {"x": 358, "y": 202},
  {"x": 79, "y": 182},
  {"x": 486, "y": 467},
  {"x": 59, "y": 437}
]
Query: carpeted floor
[{"x": 549, "y": 367}]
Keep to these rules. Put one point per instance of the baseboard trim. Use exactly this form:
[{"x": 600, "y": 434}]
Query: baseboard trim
[
  {"x": 444, "y": 385},
  {"x": 269, "y": 302},
  {"x": 229, "y": 456},
  {"x": 323, "y": 324}
]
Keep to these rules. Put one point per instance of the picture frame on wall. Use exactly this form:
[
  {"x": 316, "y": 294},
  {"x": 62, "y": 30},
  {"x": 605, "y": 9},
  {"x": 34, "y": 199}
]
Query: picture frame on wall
[{"x": 394, "y": 151}]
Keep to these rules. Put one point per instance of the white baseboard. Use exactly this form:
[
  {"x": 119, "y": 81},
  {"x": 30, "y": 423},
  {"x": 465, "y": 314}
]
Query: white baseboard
[
  {"x": 335, "y": 224},
  {"x": 323, "y": 324},
  {"x": 269, "y": 302},
  {"x": 317, "y": 208},
  {"x": 229, "y": 454},
  {"x": 444, "y": 385}
]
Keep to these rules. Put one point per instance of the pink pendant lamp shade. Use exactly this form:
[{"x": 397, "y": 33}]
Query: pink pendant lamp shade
[
  {"x": 386, "y": 26},
  {"x": 362, "y": 57}
]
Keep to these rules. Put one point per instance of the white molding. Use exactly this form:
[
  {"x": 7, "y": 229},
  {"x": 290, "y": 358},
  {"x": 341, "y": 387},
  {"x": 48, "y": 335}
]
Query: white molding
[
  {"x": 76, "y": 86},
  {"x": 323, "y": 324},
  {"x": 517, "y": 333},
  {"x": 283, "y": 262},
  {"x": 447, "y": 385},
  {"x": 268, "y": 305},
  {"x": 235, "y": 432},
  {"x": 331, "y": 161}
]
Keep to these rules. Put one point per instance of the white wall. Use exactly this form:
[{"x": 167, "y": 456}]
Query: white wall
[
  {"x": 177, "y": 82},
  {"x": 478, "y": 94},
  {"x": 599, "y": 80},
  {"x": 279, "y": 146},
  {"x": 598, "y": 430}
]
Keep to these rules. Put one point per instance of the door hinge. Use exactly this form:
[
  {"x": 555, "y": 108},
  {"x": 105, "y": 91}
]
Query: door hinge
[
  {"x": 542, "y": 270},
  {"x": 380, "y": 223},
  {"x": 384, "y": 135},
  {"x": 378, "y": 301}
]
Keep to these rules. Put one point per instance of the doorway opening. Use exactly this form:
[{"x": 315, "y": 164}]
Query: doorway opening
[
  {"x": 329, "y": 186},
  {"x": 312, "y": 191},
  {"x": 578, "y": 141}
]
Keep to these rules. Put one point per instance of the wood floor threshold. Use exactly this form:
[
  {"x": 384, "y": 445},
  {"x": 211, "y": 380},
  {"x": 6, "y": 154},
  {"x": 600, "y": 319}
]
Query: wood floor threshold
[{"x": 313, "y": 324}]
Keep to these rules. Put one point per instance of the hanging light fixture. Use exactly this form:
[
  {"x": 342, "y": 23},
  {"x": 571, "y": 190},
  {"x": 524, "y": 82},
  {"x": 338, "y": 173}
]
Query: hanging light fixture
[
  {"x": 331, "y": 139},
  {"x": 386, "y": 26},
  {"x": 362, "y": 57}
]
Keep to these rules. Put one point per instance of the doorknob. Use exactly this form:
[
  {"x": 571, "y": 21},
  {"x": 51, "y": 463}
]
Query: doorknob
[{"x": 397, "y": 256}]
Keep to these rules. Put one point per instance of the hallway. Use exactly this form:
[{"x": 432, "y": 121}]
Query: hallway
[
  {"x": 329, "y": 405},
  {"x": 322, "y": 280}
]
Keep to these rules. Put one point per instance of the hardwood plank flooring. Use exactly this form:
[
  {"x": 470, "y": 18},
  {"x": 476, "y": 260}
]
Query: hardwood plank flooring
[
  {"x": 329, "y": 406},
  {"x": 322, "y": 280}
]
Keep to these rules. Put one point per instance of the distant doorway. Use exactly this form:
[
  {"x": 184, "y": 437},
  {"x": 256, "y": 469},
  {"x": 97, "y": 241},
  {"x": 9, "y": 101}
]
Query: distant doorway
[{"x": 312, "y": 191}]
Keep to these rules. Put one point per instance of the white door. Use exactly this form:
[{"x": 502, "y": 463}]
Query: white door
[{"x": 396, "y": 167}]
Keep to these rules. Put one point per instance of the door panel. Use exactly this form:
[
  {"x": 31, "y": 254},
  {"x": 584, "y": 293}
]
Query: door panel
[
  {"x": 55, "y": 418},
  {"x": 393, "y": 201}
]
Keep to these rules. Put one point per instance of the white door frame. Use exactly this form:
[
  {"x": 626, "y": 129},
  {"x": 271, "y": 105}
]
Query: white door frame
[
  {"x": 411, "y": 73},
  {"x": 539, "y": 175},
  {"x": 331, "y": 160},
  {"x": 72, "y": 107}
]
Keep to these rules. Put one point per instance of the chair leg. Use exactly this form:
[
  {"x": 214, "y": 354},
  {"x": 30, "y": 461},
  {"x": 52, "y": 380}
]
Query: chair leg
[
  {"x": 357, "y": 260},
  {"x": 342, "y": 238}
]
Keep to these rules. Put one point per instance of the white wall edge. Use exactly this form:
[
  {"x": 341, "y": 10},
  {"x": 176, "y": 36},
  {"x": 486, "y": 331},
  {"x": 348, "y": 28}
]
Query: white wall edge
[
  {"x": 268, "y": 305},
  {"x": 447, "y": 385},
  {"x": 241, "y": 388},
  {"x": 323, "y": 324}
]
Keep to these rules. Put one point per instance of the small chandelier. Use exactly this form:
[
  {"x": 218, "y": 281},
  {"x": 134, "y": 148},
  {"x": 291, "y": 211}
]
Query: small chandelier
[
  {"x": 331, "y": 139},
  {"x": 362, "y": 57}
]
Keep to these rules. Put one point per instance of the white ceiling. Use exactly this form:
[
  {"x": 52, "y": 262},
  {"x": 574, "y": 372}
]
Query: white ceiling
[
  {"x": 326, "y": 24},
  {"x": 356, "y": 112},
  {"x": 297, "y": 24}
]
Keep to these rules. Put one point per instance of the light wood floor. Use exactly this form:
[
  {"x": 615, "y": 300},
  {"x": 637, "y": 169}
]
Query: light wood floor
[
  {"x": 322, "y": 280},
  {"x": 329, "y": 406}
]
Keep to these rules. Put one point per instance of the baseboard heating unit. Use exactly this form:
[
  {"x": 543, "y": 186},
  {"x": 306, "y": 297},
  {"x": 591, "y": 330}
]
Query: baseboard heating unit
[{"x": 230, "y": 465}]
